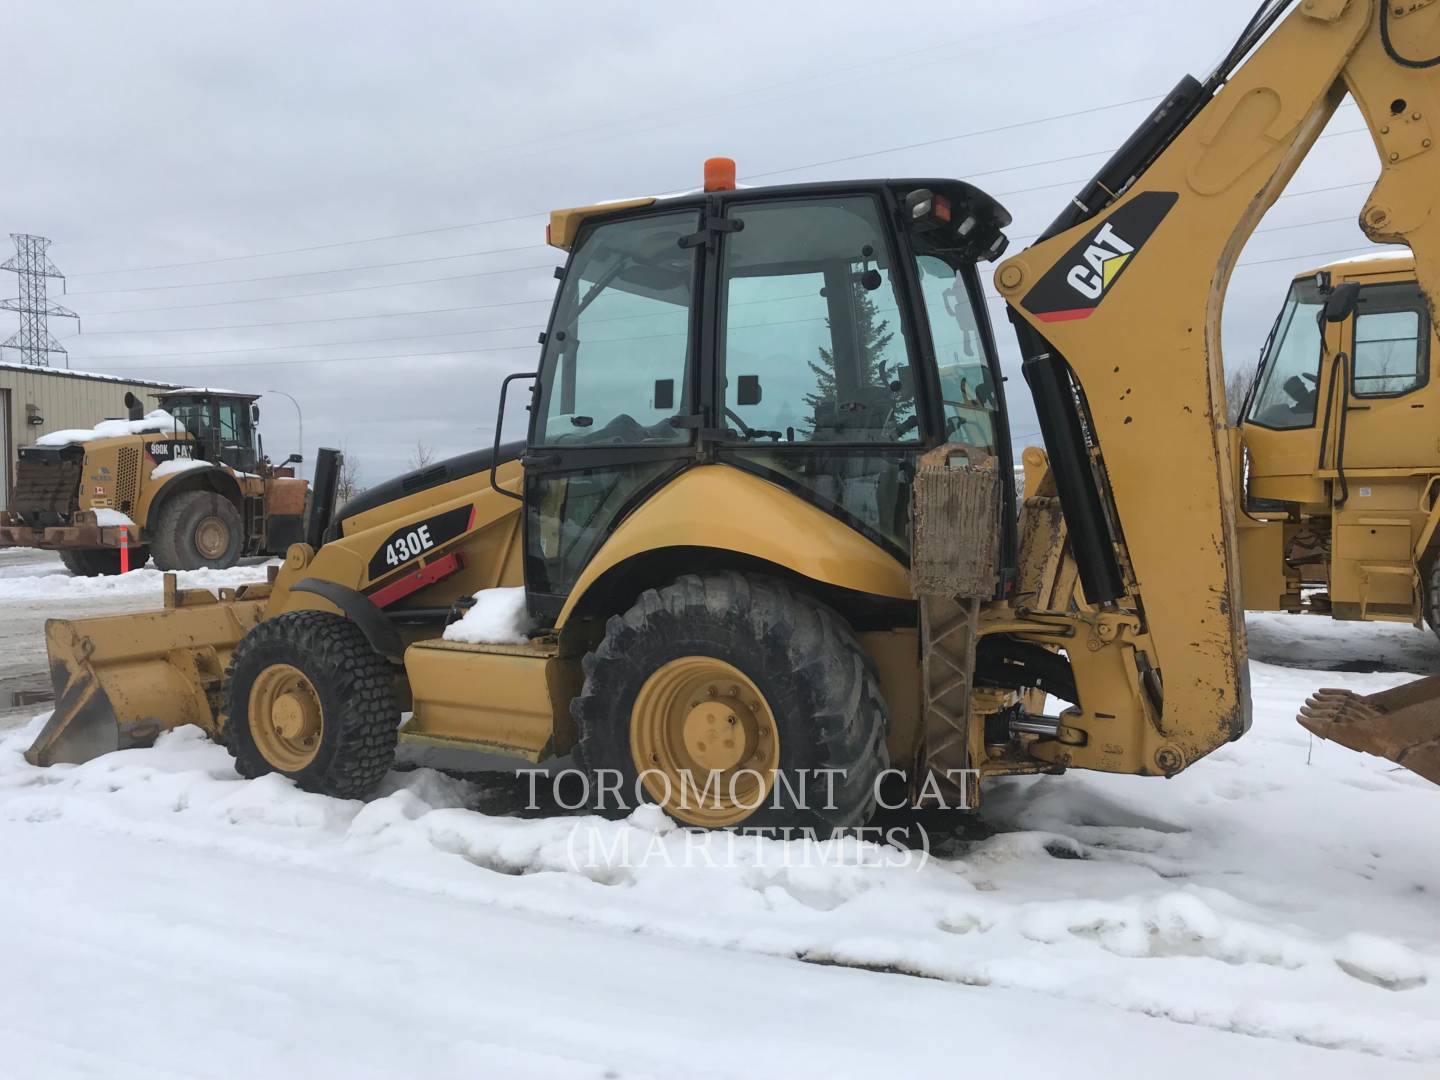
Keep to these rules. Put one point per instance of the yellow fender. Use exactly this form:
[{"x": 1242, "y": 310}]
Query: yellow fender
[{"x": 727, "y": 509}]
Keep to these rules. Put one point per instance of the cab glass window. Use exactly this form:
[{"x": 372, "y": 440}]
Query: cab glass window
[
  {"x": 1392, "y": 341},
  {"x": 231, "y": 425},
  {"x": 193, "y": 418},
  {"x": 618, "y": 352},
  {"x": 1290, "y": 369},
  {"x": 813, "y": 350},
  {"x": 967, "y": 388}
]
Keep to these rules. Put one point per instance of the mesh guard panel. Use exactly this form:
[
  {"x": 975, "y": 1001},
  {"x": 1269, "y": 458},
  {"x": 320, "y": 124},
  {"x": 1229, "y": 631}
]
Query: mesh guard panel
[{"x": 127, "y": 471}]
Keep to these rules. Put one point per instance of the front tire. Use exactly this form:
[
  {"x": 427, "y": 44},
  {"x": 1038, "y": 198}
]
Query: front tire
[
  {"x": 198, "y": 529},
  {"x": 308, "y": 697},
  {"x": 755, "y": 696},
  {"x": 100, "y": 562}
]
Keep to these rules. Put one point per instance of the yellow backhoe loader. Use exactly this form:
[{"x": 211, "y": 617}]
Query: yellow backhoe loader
[
  {"x": 188, "y": 482},
  {"x": 1341, "y": 430},
  {"x": 763, "y": 517}
]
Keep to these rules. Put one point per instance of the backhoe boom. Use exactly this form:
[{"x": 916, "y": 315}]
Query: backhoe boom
[{"x": 1118, "y": 311}]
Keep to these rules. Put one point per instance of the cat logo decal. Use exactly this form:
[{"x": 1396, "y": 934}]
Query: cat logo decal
[{"x": 1079, "y": 283}]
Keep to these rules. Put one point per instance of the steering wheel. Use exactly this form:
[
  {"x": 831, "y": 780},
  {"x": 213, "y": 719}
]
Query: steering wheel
[
  {"x": 1303, "y": 396},
  {"x": 747, "y": 430}
]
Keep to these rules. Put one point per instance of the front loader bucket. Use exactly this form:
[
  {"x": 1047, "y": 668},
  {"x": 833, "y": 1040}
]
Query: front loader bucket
[
  {"x": 1402, "y": 724},
  {"x": 121, "y": 680}
]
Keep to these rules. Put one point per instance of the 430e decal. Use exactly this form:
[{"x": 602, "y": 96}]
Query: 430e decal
[{"x": 411, "y": 541}]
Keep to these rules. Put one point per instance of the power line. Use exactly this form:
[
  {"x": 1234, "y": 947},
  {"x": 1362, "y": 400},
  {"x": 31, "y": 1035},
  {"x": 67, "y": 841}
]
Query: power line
[
  {"x": 331, "y": 292},
  {"x": 315, "y": 247},
  {"x": 966, "y": 135},
  {"x": 476, "y": 307},
  {"x": 315, "y": 344},
  {"x": 527, "y": 247},
  {"x": 870, "y": 64},
  {"x": 348, "y": 359},
  {"x": 309, "y": 273},
  {"x": 304, "y": 322}
]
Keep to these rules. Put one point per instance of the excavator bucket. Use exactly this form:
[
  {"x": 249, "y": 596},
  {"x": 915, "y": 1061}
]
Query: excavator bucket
[
  {"x": 121, "y": 680},
  {"x": 1402, "y": 724}
]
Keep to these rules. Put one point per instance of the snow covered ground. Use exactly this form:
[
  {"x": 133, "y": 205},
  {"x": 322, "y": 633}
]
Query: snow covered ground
[
  {"x": 27, "y": 575},
  {"x": 1273, "y": 911}
]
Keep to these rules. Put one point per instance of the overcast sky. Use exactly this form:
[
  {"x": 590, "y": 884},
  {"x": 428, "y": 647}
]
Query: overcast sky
[{"x": 281, "y": 147}]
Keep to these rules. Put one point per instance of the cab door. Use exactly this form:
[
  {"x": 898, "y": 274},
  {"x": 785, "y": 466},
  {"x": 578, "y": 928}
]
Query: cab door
[
  {"x": 816, "y": 391},
  {"x": 615, "y": 393},
  {"x": 1391, "y": 412},
  {"x": 1281, "y": 426},
  {"x": 829, "y": 381}
]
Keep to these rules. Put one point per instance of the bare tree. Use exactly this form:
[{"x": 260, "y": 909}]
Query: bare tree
[
  {"x": 422, "y": 455},
  {"x": 1237, "y": 385},
  {"x": 347, "y": 483}
]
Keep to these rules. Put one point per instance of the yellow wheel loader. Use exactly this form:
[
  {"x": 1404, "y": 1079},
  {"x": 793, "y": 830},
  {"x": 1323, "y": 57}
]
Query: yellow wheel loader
[
  {"x": 762, "y": 515},
  {"x": 189, "y": 483},
  {"x": 1341, "y": 430}
]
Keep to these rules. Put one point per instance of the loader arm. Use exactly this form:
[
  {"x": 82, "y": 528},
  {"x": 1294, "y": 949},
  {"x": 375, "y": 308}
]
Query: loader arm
[{"x": 1118, "y": 312}]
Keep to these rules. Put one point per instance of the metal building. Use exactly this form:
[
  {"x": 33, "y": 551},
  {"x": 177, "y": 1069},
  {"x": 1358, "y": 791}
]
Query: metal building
[{"x": 34, "y": 400}]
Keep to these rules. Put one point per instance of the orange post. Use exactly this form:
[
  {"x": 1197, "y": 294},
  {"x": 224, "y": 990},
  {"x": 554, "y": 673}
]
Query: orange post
[{"x": 124, "y": 550}]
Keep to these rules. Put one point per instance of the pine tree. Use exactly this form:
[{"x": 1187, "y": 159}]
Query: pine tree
[{"x": 874, "y": 336}]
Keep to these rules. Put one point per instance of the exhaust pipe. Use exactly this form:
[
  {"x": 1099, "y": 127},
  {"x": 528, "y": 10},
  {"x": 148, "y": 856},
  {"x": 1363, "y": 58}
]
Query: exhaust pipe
[{"x": 322, "y": 495}]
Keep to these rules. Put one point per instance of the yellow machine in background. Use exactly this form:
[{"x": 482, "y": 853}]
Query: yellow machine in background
[
  {"x": 1341, "y": 431},
  {"x": 763, "y": 516},
  {"x": 189, "y": 483}
]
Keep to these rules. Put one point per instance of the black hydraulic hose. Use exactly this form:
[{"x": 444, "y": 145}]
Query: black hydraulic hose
[
  {"x": 1343, "y": 363},
  {"x": 1392, "y": 52},
  {"x": 1081, "y": 502},
  {"x": 1341, "y": 367}
]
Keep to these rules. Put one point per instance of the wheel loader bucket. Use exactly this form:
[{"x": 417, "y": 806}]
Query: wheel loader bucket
[
  {"x": 121, "y": 680},
  {"x": 1402, "y": 724}
]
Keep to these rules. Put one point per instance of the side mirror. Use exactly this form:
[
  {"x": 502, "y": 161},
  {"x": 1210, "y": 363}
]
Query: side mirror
[
  {"x": 294, "y": 459},
  {"x": 255, "y": 413},
  {"x": 664, "y": 393},
  {"x": 748, "y": 391},
  {"x": 1342, "y": 302}
]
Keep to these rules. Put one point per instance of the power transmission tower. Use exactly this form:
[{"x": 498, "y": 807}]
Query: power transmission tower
[{"x": 33, "y": 266}]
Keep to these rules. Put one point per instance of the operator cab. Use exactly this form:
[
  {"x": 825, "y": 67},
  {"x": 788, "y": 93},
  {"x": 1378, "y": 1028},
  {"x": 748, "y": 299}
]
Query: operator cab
[
  {"x": 222, "y": 423},
  {"x": 821, "y": 336},
  {"x": 1343, "y": 383}
]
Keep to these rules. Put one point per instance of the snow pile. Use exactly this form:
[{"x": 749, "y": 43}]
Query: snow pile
[
  {"x": 498, "y": 618},
  {"x": 177, "y": 465},
  {"x": 51, "y": 581},
  {"x": 1259, "y": 892},
  {"x": 158, "y": 420},
  {"x": 106, "y": 516}
]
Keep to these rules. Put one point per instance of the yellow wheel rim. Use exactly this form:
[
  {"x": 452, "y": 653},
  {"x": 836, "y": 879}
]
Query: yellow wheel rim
[
  {"x": 286, "y": 720},
  {"x": 704, "y": 742}
]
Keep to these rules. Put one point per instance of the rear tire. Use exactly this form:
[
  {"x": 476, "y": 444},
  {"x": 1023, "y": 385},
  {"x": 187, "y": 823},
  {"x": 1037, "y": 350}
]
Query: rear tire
[
  {"x": 198, "y": 529},
  {"x": 308, "y": 697},
  {"x": 814, "y": 685},
  {"x": 100, "y": 562}
]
